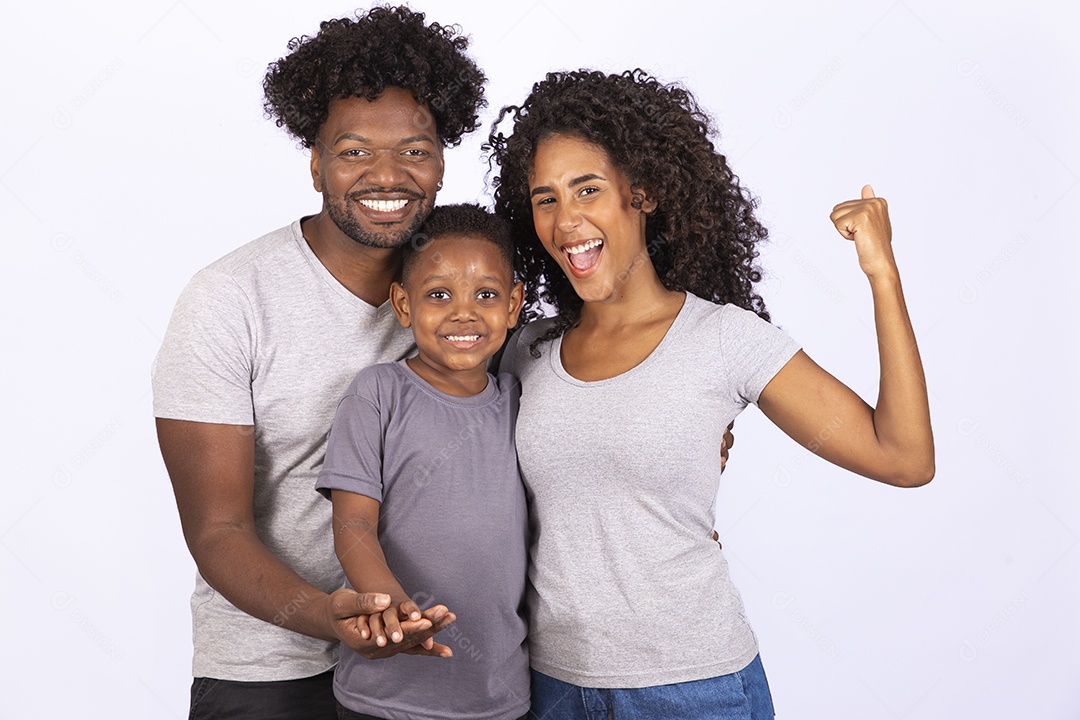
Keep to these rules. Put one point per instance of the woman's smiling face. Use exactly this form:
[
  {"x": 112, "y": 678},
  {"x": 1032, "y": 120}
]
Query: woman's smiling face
[{"x": 588, "y": 217}]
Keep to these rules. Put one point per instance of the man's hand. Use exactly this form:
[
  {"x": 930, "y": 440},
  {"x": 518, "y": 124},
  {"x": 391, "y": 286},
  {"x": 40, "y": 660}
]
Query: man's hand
[{"x": 348, "y": 612}]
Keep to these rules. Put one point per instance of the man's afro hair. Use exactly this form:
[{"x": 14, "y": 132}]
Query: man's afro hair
[{"x": 386, "y": 47}]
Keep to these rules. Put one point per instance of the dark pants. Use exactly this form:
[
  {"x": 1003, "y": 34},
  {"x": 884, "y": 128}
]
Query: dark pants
[{"x": 304, "y": 699}]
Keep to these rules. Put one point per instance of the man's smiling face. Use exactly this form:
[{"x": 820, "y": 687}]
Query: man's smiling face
[{"x": 378, "y": 164}]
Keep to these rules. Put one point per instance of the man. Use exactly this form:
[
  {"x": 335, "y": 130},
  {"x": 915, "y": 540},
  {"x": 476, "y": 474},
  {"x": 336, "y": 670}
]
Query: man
[{"x": 264, "y": 342}]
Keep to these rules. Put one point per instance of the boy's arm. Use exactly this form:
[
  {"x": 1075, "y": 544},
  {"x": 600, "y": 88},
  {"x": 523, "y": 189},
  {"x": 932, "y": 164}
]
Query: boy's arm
[{"x": 356, "y": 542}]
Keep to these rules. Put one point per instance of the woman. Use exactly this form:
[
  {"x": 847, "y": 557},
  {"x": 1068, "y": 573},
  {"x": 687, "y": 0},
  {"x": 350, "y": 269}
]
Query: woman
[{"x": 637, "y": 232}]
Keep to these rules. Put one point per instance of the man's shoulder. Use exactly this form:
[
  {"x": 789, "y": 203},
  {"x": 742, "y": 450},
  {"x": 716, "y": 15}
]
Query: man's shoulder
[{"x": 259, "y": 255}]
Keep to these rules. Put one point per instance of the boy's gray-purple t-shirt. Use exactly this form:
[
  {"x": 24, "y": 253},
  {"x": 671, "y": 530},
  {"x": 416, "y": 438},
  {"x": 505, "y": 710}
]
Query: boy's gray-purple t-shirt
[{"x": 454, "y": 528}]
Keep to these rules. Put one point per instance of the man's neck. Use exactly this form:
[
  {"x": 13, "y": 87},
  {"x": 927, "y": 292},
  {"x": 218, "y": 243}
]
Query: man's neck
[{"x": 364, "y": 271}]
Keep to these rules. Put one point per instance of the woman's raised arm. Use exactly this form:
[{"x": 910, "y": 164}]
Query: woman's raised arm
[{"x": 893, "y": 442}]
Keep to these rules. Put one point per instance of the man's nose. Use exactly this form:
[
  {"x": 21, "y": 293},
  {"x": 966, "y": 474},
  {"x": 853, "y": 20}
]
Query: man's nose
[{"x": 386, "y": 170}]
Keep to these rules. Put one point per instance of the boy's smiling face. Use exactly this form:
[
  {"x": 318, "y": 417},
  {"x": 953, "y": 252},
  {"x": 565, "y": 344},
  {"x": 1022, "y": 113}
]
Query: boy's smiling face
[{"x": 459, "y": 298}]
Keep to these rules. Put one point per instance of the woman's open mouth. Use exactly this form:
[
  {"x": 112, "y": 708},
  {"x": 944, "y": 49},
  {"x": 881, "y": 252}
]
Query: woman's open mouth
[{"x": 583, "y": 256}]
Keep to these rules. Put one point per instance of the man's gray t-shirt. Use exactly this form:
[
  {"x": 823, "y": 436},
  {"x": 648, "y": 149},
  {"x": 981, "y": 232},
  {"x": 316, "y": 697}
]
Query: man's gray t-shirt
[
  {"x": 627, "y": 588},
  {"x": 266, "y": 336},
  {"x": 453, "y": 528}
]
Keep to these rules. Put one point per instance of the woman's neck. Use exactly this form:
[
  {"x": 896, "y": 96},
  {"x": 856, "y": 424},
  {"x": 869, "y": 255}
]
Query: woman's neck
[{"x": 641, "y": 300}]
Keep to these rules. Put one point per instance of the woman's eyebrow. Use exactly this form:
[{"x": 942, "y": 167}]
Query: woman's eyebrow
[{"x": 573, "y": 183}]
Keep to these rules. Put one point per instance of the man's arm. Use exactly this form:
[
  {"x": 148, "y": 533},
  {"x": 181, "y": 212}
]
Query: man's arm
[{"x": 212, "y": 468}]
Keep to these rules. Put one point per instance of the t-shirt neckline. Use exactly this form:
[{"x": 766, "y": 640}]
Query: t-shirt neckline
[
  {"x": 480, "y": 398},
  {"x": 328, "y": 277},
  {"x": 669, "y": 337}
]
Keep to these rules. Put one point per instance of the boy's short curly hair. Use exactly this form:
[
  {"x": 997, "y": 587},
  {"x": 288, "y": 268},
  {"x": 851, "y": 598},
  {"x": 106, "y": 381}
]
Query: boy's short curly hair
[
  {"x": 386, "y": 47},
  {"x": 460, "y": 219},
  {"x": 702, "y": 237}
]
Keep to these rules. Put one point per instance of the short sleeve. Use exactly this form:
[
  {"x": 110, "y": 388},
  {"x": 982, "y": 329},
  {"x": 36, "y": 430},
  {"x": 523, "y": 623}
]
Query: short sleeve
[
  {"x": 203, "y": 371},
  {"x": 354, "y": 449},
  {"x": 753, "y": 350}
]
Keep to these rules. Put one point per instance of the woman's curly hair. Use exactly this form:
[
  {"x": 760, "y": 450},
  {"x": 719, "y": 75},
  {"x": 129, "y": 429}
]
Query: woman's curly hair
[
  {"x": 386, "y": 47},
  {"x": 703, "y": 235}
]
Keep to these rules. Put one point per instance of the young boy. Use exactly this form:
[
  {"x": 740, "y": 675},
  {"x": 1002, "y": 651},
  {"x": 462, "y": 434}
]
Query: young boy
[{"x": 428, "y": 504}]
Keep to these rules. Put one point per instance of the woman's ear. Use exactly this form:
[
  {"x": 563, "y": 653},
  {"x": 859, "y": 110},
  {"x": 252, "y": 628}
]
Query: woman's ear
[{"x": 642, "y": 199}]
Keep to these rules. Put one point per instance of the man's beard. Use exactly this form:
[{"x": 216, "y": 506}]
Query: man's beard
[{"x": 338, "y": 210}]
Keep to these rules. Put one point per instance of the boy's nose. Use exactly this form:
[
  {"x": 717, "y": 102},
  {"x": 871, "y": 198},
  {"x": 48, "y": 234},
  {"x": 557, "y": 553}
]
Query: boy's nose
[{"x": 463, "y": 307}]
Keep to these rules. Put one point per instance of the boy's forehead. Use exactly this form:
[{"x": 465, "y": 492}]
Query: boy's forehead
[{"x": 458, "y": 254}]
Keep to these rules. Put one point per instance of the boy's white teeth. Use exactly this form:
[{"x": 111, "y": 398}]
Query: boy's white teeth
[
  {"x": 462, "y": 338},
  {"x": 384, "y": 205},
  {"x": 588, "y": 245}
]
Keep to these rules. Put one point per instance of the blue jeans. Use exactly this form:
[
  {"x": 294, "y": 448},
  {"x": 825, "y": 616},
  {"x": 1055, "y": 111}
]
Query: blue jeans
[{"x": 742, "y": 695}]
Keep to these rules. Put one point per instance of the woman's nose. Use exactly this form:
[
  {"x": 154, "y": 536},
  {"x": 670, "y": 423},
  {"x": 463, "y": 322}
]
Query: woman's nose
[{"x": 568, "y": 219}]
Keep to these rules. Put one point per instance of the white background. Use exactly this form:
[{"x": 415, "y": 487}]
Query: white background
[{"x": 135, "y": 151}]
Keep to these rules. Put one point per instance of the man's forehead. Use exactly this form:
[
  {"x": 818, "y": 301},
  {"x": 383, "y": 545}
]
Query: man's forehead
[{"x": 395, "y": 116}]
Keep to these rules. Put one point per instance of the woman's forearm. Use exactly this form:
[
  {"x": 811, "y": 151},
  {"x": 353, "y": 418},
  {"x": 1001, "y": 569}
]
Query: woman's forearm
[{"x": 902, "y": 415}]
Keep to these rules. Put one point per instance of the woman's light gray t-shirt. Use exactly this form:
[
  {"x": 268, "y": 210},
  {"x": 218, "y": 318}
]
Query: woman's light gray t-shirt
[{"x": 627, "y": 588}]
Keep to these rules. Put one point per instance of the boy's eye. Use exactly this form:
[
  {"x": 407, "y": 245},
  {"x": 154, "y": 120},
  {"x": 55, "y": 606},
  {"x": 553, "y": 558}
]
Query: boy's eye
[
  {"x": 439, "y": 295},
  {"x": 487, "y": 295}
]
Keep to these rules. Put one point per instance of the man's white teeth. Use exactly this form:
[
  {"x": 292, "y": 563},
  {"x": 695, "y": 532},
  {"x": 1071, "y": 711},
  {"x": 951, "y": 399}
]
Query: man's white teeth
[
  {"x": 462, "y": 338},
  {"x": 384, "y": 205},
  {"x": 588, "y": 245}
]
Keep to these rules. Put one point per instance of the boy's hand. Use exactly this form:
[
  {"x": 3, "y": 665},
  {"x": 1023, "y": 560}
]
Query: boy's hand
[
  {"x": 415, "y": 635},
  {"x": 348, "y": 612},
  {"x": 440, "y": 619},
  {"x": 385, "y": 626}
]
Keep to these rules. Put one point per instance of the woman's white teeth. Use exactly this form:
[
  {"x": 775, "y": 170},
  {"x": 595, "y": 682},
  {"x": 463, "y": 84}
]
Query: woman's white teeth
[
  {"x": 462, "y": 338},
  {"x": 587, "y": 245},
  {"x": 384, "y": 205}
]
